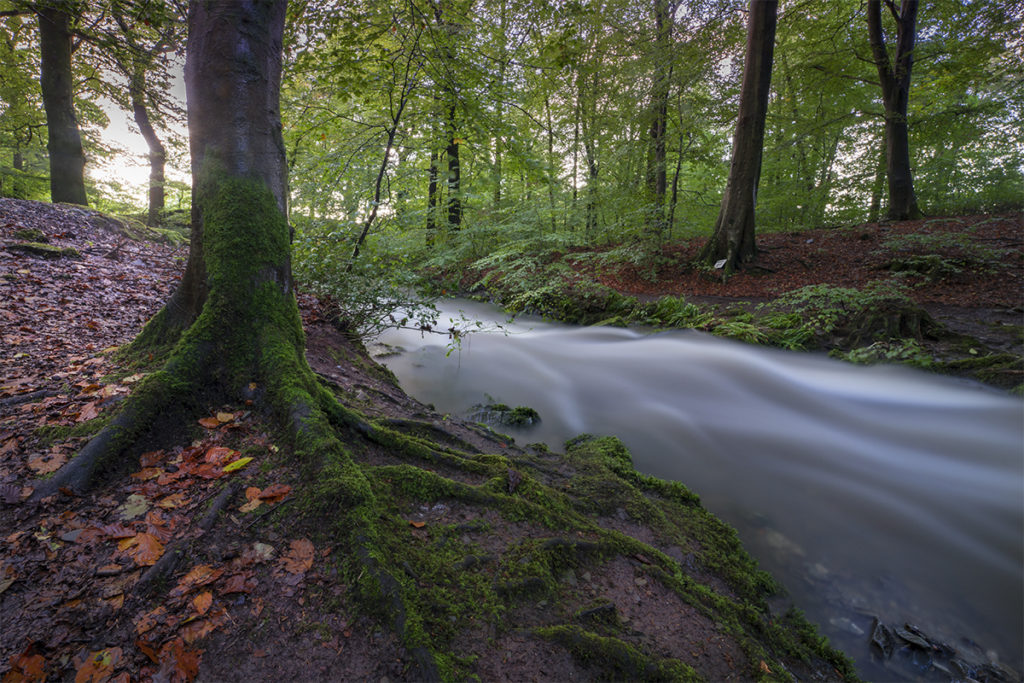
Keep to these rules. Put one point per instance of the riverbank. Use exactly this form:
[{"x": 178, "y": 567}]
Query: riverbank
[
  {"x": 941, "y": 294},
  {"x": 205, "y": 561}
]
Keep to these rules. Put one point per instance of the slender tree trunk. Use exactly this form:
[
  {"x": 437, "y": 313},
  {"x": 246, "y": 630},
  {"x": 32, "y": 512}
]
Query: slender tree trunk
[
  {"x": 895, "y": 80},
  {"x": 432, "y": 198},
  {"x": 656, "y": 170},
  {"x": 552, "y": 165},
  {"x": 733, "y": 237},
  {"x": 67, "y": 158},
  {"x": 878, "y": 185},
  {"x": 157, "y": 153},
  {"x": 454, "y": 175}
]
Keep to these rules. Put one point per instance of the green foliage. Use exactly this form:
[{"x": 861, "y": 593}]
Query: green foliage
[
  {"x": 824, "y": 308},
  {"x": 941, "y": 254},
  {"x": 905, "y": 351},
  {"x": 378, "y": 291},
  {"x": 671, "y": 311}
]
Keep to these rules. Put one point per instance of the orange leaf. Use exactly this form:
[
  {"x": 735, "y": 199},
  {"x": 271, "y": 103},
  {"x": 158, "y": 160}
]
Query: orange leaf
[
  {"x": 275, "y": 493},
  {"x": 147, "y": 549},
  {"x": 252, "y": 492},
  {"x": 202, "y": 602},
  {"x": 418, "y": 525},
  {"x": 209, "y": 422},
  {"x": 150, "y": 619},
  {"x": 147, "y": 473},
  {"x": 200, "y": 575},
  {"x": 98, "y": 666},
  {"x": 225, "y": 417},
  {"x": 299, "y": 558},
  {"x": 218, "y": 455},
  {"x": 27, "y": 666},
  {"x": 201, "y": 628},
  {"x": 251, "y": 505},
  {"x": 175, "y": 500},
  {"x": 177, "y": 663},
  {"x": 148, "y": 649},
  {"x": 47, "y": 462}
]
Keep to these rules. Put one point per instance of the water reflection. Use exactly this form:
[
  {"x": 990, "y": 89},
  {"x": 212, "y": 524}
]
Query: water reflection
[{"x": 867, "y": 491}]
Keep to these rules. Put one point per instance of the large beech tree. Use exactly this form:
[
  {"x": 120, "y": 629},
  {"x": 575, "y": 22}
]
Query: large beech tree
[
  {"x": 733, "y": 237},
  {"x": 232, "y": 330},
  {"x": 894, "y": 76}
]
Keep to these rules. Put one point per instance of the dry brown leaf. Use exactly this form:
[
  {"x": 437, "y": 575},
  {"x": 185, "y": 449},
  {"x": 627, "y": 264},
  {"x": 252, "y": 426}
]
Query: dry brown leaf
[
  {"x": 275, "y": 493},
  {"x": 144, "y": 548},
  {"x": 218, "y": 455},
  {"x": 151, "y": 458},
  {"x": 147, "y": 621},
  {"x": 299, "y": 558},
  {"x": 225, "y": 417},
  {"x": 90, "y": 411},
  {"x": 27, "y": 666},
  {"x": 175, "y": 500},
  {"x": 200, "y": 575},
  {"x": 177, "y": 663},
  {"x": 98, "y": 666},
  {"x": 251, "y": 505},
  {"x": 47, "y": 462},
  {"x": 202, "y": 602},
  {"x": 209, "y": 422},
  {"x": 147, "y": 473},
  {"x": 418, "y": 525}
]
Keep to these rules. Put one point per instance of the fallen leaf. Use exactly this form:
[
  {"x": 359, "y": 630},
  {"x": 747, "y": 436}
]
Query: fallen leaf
[
  {"x": 765, "y": 668},
  {"x": 7, "y": 577},
  {"x": 177, "y": 663},
  {"x": 27, "y": 666},
  {"x": 238, "y": 583},
  {"x": 237, "y": 464},
  {"x": 148, "y": 649},
  {"x": 218, "y": 455},
  {"x": 175, "y": 500},
  {"x": 225, "y": 417},
  {"x": 251, "y": 505},
  {"x": 90, "y": 411},
  {"x": 150, "y": 619},
  {"x": 275, "y": 493},
  {"x": 98, "y": 666},
  {"x": 116, "y": 601},
  {"x": 147, "y": 473},
  {"x": 47, "y": 462},
  {"x": 202, "y": 602},
  {"x": 200, "y": 575},
  {"x": 144, "y": 548},
  {"x": 299, "y": 558},
  {"x": 134, "y": 506},
  {"x": 418, "y": 525},
  {"x": 201, "y": 628},
  {"x": 209, "y": 422}
]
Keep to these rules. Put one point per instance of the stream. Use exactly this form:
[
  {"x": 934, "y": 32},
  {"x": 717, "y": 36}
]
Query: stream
[{"x": 867, "y": 491}]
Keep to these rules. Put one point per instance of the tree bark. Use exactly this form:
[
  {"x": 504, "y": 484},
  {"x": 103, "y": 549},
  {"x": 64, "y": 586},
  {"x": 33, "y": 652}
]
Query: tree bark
[
  {"x": 656, "y": 168},
  {"x": 895, "y": 80},
  {"x": 733, "y": 236},
  {"x": 157, "y": 153},
  {"x": 64, "y": 144},
  {"x": 454, "y": 174},
  {"x": 432, "y": 198}
]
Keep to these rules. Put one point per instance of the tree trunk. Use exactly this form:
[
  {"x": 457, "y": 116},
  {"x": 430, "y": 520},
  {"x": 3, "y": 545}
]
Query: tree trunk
[
  {"x": 454, "y": 174},
  {"x": 67, "y": 159},
  {"x": 733, "y": 237},
  {"x": 432, "y": 199},
  {"x": 656, "y": 171},
  {"x": 895, "y": 80},
  {"x": 157, "y": 153}
]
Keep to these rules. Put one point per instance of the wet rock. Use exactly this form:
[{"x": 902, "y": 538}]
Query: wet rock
[{"x": 503, "y": 415}]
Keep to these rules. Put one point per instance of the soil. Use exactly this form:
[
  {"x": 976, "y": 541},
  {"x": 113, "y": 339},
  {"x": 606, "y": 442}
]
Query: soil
[{"x": 187, "y": 571}]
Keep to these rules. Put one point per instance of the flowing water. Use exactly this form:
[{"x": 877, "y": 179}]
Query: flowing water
[{"x": 878, "y": 491}]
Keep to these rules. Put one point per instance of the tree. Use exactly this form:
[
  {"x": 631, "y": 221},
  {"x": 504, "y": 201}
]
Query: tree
[
  {"x": 733, "y": 237},
  {"x": 67, "y": 158},
  {"x": 895, "y": 79},
  {"x": 232, "y": 331}
]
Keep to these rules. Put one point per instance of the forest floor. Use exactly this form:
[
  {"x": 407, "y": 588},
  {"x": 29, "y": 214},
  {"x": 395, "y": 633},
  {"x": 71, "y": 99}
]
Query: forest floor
[
  {"x": 191, "y": 566},
  {"x": 967, "y": 272}
]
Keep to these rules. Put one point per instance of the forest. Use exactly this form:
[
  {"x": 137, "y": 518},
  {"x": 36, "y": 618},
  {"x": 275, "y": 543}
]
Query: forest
[{"x": 206, "y": 474}]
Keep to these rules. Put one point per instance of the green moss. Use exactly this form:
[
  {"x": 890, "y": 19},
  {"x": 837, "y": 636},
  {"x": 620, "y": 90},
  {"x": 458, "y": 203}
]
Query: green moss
[
  {"x": 43, "y": 250},
  {"x": 51, "y": 434},
  {"x": 613, "y": 659}
]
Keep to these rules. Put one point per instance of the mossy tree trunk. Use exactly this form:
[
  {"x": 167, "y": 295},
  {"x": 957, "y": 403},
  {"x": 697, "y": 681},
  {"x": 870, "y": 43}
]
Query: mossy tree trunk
[
  {"x": 733, "y": 236},
  {"x": 232, "y": 330}
]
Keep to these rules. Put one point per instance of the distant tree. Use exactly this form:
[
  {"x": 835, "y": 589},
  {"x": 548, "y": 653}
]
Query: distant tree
[
  {"x": 894, "y": 76},
  {"x": 733, "y": 237}
]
